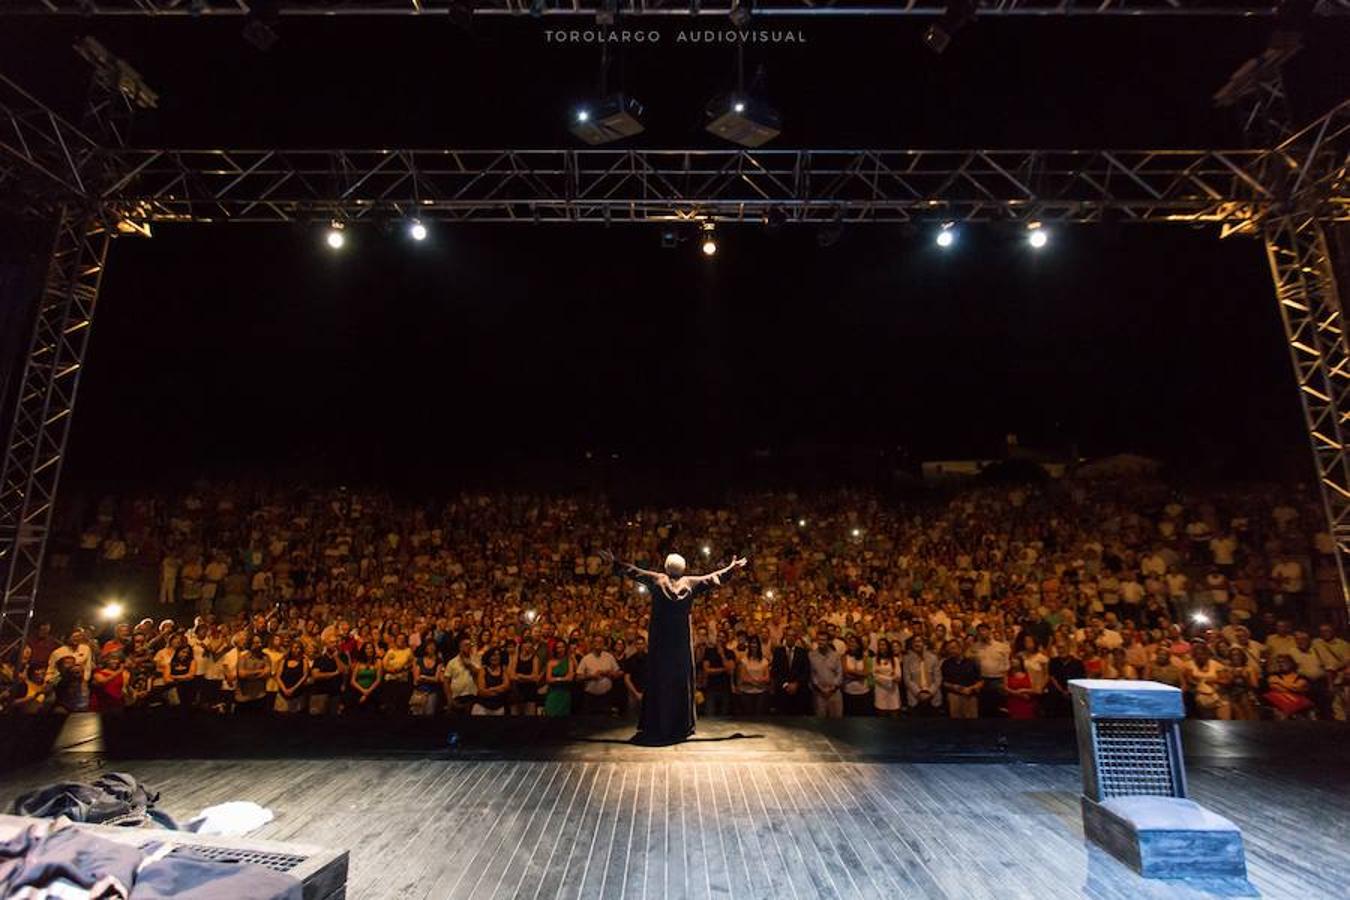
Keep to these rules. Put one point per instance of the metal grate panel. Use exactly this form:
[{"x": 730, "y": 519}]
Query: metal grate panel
[
  {"x": 277, "y": 862},
  {"x": 1132, "y": 758}
]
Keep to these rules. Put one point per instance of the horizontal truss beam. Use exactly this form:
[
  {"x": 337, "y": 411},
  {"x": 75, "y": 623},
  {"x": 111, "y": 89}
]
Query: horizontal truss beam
[
  {"x": 613, "y": 185},
  {"x": 661, "y": 8}
]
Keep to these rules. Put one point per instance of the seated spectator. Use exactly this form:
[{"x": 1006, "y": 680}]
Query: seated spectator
[{"x": 1287, "y": 691}]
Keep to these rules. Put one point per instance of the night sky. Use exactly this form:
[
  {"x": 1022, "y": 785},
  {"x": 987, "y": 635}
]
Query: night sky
[{"x": 219, "y": 349}]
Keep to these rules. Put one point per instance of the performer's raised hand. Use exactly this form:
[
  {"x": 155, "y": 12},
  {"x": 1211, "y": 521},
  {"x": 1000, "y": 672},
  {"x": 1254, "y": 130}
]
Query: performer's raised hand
[{"x": 737, "y": 562}]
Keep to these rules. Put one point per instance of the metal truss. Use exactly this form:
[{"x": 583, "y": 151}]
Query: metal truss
[
  {"x": 41, "y": 150},
  {"x": 660, "y": 8},
  {"x": 601, "y": 185},
  {"x": 43, "y": 410}
]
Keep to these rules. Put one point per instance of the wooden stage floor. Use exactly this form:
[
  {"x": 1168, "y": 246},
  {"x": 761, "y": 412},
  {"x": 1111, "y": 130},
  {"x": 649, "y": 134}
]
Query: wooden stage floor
[{"x": 740, "y": 818}]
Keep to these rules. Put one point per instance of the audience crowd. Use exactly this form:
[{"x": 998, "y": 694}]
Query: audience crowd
[{"x": 979, "y": 602}]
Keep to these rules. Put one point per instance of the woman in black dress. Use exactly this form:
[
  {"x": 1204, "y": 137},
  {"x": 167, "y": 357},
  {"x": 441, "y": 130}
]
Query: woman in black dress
[{"x": 667, "y": 714}]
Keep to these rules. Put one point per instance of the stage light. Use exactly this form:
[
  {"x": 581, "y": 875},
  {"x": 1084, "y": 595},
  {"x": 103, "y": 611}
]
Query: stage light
[
  {"x": 1038, "y": 238},
  {"x": 335, "y": 238},
  {"x": 609, "y": 119},
  {"x": 1200, "y": 618},
  {"x": 743, "y": 120},
  {"x": 417, "y": 231},
  {"x": 739, "y": 106},
  {"x": 709, "y": 245},
  {"x": 801, "y": 523},
  {"x": 857, "y": 532},
  {"x": 946, "y": 237},
  {"x": 111, "y": 611}
]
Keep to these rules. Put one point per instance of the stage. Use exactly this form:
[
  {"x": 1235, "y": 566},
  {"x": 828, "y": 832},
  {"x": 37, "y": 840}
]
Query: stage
[{"x": 802, "y": 808}]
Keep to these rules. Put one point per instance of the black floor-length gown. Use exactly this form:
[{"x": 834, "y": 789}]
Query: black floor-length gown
[{"x": 667, "y": 712}]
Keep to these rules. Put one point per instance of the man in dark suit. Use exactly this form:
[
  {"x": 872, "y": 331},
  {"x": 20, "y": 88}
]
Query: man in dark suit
[{"x": 790, "y": 672}]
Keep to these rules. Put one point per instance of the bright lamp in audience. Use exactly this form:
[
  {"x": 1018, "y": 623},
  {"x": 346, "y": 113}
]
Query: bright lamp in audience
[
  {"x": 111, "y": 611},
  {"x": 1200, "y": 618}
]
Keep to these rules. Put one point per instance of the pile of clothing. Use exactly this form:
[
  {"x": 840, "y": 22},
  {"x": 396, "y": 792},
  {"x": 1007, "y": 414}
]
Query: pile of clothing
[
  {"x": 53, "y": 859},
  {"x": 56, "y": 860}
]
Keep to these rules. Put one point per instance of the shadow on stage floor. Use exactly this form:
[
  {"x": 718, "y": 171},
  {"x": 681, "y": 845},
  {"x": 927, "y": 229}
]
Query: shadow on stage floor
[{"x": 168, "y": 734}]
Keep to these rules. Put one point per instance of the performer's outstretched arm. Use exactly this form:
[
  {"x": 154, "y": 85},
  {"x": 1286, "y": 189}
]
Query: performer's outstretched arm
[
  {"x": 714, "y": 579},
  {"x": 627, "y": 569}
]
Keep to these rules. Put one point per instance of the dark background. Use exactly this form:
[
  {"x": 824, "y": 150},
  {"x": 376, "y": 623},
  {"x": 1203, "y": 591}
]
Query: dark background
[{"x": 492, "y": 348}]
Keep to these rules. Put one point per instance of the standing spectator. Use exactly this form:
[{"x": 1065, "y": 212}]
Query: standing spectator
[
  {"x": 887, "y": 675},
  {"x": 635, "y": 673},
  {"x": 1064, "y": 667},
  {"x": 168, "y": 578},
  {"x": 494, "y": 685},
  {"x": 364, "y": 684},
  {"x": 460, "y": 678},
  {"x": 42, "y": 644},
  {"x": 1309, "y": 664},
  {"x": 252, "y": 672},
  {"x": 790, "y": 669},
  {"x": 325, "y": 680},
  {"x": 857, "y": 693},
  {"x": 292, "y": 677},
  {"x": 397, "y": 666},
  {"x": 993, "y": 657},
  {"x": 1244, "y": 680},
  {"x": 596, "y": 672},
  {"x": 716, "y": 680},
  {"x": 1203, "y": 678},
  {"x": 752, "y": 677},
  {"x": 1333, "y": 652},
  {"x": 827, "y": 677},
  {"x": 961, "y": 682},
  {"x": 922, "y": 671},
  {"x": 558, "y": 678},
  {"x": 110, "y": 693},
  {"x": 1288, "y": 690},
  {"x": 1022, "y": 695},
  {"x": 527, "y": 676}
]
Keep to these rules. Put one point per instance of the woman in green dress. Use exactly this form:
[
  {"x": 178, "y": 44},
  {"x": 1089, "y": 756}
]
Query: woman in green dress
[{"x": 558, "y": 701}]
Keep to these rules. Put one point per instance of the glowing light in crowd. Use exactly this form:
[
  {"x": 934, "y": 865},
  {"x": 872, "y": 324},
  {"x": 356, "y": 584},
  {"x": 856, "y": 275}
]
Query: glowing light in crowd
[
  {"x": 112, "y": 611},
  {"x": 1200, "y": 618},
  {"x": 642, "y": 589},
  {"x": 530, "y": 616},
  {"x": 1037, "y": 238},
  {"x": 740, "y": 106},
  {"x": 768, "y": 595},
  {"x": 946, "y": 237},
  {"x": 707, "y": 551},
  {"x": 336, "y": 239},
  {"x": 857, "y": 532},
  {"x": 801, "y": 523},
  {"x": 583, "y": 115},
  {"x": 417, "y": 231}
]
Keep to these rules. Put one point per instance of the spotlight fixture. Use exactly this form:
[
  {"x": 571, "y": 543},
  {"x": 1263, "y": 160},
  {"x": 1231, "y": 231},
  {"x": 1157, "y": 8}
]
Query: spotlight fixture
[
  {"x": 417, "y": 231},
  {"x": 709, "y": 244},
  {"x": 611, "y": 119},
  {"x": 741, "y": 11},
  {"x": 958, "y": 15},
  {"x": 335, "y": 237},
  {"x": 743, "y": 120},
  {"x": 1036, "y": 235},
  {"x": 946, "y": 236}
]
